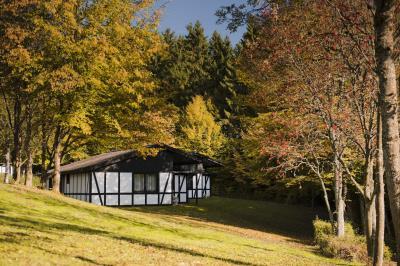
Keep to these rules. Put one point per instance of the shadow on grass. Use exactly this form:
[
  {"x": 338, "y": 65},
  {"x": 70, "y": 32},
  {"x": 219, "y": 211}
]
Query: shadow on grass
[
  {"x": 91, "y": 261},
  {"x": 49, "y": 227},
  {"x": 287, "y": 220}
]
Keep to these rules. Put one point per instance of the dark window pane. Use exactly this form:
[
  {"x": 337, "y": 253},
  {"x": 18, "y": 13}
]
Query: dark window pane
[
  {"x": 139, "y": 182},
  {"x": 190, "y": 182},
  {"x": 151, "y": 184}
]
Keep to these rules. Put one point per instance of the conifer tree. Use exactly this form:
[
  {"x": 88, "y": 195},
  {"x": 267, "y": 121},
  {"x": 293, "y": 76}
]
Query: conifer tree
[
  {"x": 183, "y": 69},
  {"x": 223, "y": 84},
  {"x": 197, "y": 56}
]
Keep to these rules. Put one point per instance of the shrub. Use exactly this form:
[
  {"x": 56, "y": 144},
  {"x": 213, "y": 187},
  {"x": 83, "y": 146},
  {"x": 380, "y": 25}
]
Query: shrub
[{"x": 351, "y": 247}]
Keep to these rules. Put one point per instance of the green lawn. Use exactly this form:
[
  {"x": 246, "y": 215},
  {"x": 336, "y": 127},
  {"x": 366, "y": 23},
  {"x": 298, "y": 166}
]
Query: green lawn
[{"x": 38, "y": 228}]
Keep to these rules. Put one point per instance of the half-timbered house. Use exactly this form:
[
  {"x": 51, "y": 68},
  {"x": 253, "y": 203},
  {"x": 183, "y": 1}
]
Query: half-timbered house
[{"x": 125, "y": 178}]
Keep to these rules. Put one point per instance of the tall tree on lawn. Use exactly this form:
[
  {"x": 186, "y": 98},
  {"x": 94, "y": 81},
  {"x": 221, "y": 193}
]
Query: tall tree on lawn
[{"x": 385, "y": 27}]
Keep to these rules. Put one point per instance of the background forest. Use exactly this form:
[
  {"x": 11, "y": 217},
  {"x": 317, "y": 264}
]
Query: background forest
[{"x": 292, "y": 111}]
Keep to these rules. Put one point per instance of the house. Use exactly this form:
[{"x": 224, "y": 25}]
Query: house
[
  {"x": 3, "y": 169},
  {"x": 124, "y": 178}
]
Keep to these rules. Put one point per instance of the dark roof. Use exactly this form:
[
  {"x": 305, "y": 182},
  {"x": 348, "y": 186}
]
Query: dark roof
[
  {"x": 99, "y": 161},
  {"x": 201, "y": 158}
]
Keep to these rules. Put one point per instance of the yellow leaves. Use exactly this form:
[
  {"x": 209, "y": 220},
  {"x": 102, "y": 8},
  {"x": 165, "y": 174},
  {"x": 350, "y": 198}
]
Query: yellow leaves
[
  {"x": 18, "y": 57},
  {"x": 65, "y": 80},
  {"x": 90, "y": 61},
  {"x": 199, "y": 130},
  {"x": 79, "y": 120}
]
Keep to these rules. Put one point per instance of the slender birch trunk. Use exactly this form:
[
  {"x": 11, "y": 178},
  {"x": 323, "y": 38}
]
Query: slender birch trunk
[
  {"x": 384, "y": 45},
  {"x": 326, "y": 201},
  {"x": 339, "y": 199},
  {"x": 380, "y": 199},
  {"x": 369, "y": 208}
]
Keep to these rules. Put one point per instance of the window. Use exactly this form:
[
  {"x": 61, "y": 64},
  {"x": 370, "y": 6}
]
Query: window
[
  {"x": 67, "y": 179},
  {"x": 151, "y": 183},
  {"x": 150, "y": 180},
  {"x": 190, "y": 182},
  {"x": 139, "y": 182}
]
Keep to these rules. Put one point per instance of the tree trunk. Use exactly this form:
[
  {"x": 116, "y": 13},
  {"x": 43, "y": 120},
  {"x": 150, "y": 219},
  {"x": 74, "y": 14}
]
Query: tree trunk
[
  {"x": 57, "y": 161},
  {"x": 43, "y": 174},
  {"x": 326, "y": 201},
  {"x": 369, "y": 208},
  {"x": 341, "y": 206},
  {"x": 384, "y": 46},
  {"x": 380, "y": 199},
  {"x": 17, "y": 169},
  {"x": 8, "y": 166},
  {"x": 29, "y": 172},
  {"x": 370, "y": 216},
  {"x": 362, "y": 213},
  {"x": 17, "y": 142},
  {"x": 339, "y": 199},
  {"x": 28, "y": 151},
  {"x": 57, "y": 166}
]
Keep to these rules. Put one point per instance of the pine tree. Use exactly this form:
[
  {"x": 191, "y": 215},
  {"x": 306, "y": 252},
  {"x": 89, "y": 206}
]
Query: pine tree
[
  {"x": 197, "y": 56},
  {"x": 182, "y": 67},
  {"x": 223, "y": 84}
]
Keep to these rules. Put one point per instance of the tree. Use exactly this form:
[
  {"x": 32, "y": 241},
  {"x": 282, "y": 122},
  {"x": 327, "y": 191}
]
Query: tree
[
  {"x": 222, "y": 87},
  {"x": 96, "y": 74},
  {"x": 183, "y": 67},
  {"x": 294, "y": 61},
  {"x": 198, "y": 130},
  {"x": 356, "y": 33},
  {"x": 384, "y": 25},
  {"x": 5, "y": 143},
  {"x": 380, "y": 198},
  {"x": 19, "y": 65}
]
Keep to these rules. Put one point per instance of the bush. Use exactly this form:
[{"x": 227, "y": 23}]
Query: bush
[{"x": 351, "y": 247}]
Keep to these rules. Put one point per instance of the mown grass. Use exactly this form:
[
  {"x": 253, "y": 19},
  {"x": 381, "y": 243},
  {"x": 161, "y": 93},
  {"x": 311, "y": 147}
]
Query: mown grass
[
  {"x": 286, "y": 220},
  {"x": 39, "y": 228}
]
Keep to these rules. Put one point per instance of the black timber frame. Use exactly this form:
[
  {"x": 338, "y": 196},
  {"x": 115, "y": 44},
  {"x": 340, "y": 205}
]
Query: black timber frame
[
  {"x": 170, "y": 161},
  {"x": 182, "y": 177},
  {"x": 103, "y": 195},
  {"x": 193, "y": 193}
]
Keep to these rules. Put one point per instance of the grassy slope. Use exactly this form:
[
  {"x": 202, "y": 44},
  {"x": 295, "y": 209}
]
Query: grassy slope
[{"x": 37, "y": 227}]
